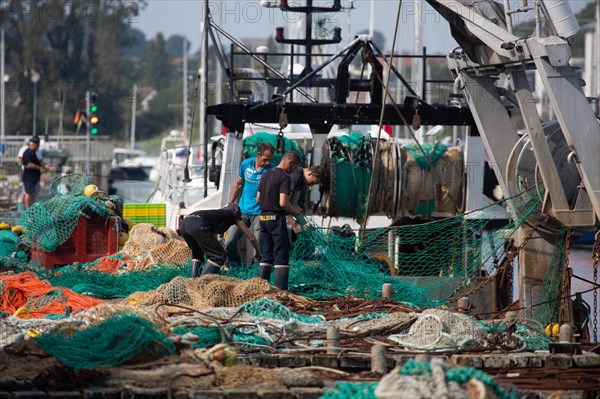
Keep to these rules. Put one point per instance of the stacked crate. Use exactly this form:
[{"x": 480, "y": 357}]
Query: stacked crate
[{"x": 146, "y": 213}]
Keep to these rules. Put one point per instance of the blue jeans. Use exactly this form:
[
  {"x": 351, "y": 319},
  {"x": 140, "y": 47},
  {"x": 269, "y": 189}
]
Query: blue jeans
[
  {"x": 234, "y": 234},
  {"x": 274, "y": 241}
]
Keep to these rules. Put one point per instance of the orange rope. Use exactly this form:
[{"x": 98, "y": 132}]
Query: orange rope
[
  {"x": 112, "y": 265},
  {"x": 39, "y": 296}
]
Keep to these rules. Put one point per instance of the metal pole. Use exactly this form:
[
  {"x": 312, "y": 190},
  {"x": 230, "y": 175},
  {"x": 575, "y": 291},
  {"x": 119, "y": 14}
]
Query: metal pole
[
  {"x": 133, "y": 112},
  {"x": 204, "y": 95},
  {"x": 2, "y": 103},
  {"x": 597, "y": 58},
  {"x": 185, "y": 89},
  {"x": 34, "y": 107},
  {"x": 88, "y": 156}
]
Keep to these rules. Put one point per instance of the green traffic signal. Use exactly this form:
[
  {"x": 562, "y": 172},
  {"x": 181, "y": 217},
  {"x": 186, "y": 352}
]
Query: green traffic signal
[
  {"x": 93, "y": 108},
  {"x": 94, "y": 130}
]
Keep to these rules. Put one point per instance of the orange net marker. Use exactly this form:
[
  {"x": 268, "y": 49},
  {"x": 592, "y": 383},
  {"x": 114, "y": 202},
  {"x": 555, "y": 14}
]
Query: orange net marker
[{"x": 39, "y": 297}]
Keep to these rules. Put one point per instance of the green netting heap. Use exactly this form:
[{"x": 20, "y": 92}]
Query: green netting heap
[
  {"x": 432, "y": 257},
  {"x": 48, "y": 224},
  {"x": 110, "y": 343},
  {"x": 346, "y": 390},
  {"x": 351, "y": 163},
  {"x": 15, "y": 262},
  {"x": 71, "y": 184},
  {"x": 208, "y": 336},
  {"x": 251, "y": 143},
  {"x": 8, "y": 243},
  {"x": 533, "y": 335},
  {"x": 104, "y": 285},
  {"x": 11, "y": 257},
  {"x": 460, "y": 375},
  {"x": 433, "y": 153},
  {"x": 268, "y": 308}
]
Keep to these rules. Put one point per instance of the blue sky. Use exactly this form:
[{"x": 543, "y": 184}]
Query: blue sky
[{"x": 247, "y": 19}]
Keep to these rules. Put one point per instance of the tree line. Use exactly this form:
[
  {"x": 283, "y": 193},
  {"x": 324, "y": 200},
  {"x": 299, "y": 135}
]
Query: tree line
[{"x": 56, "y": 50}]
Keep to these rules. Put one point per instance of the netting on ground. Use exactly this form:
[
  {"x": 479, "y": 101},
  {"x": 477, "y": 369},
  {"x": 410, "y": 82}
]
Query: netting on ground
[
  {"x": 38, "y": 298},
  {"x": 201, "y": 293},
  {"x": 437, "y": 379},
  {"x": 85, "y": 279},
  {"x": 48, "y": 224},
  {"x": 345, "y": 390},
  {"x": 112, "y": 342},
  {"x": 265, "y": 307},
  {"x": 8, "y": 243},
  {"x": 440, "y": 329},
  {"x": 149, "y": 245},
  {"x": 251, "y": 143},
  {"x": 532, "y": 335}
]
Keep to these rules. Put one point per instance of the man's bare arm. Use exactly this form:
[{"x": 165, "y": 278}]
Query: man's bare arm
[
  {"x": 236, "y": 190},
  {"x": 284, "y": 202}
]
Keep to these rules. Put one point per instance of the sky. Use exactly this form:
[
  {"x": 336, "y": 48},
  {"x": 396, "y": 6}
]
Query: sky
[{"x": 247, "y": 19}]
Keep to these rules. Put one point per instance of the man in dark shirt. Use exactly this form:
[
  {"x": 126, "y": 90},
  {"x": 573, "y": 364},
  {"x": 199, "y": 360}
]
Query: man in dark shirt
[
  {"x": 300, "y": 178},
  {"x": 199, "y": 229},
  {"x": 274, "y": 199},
  {"x": 33, "y": 167}
]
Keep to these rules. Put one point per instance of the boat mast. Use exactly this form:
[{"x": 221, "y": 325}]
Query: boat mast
[{"x": 204, "y": 93}]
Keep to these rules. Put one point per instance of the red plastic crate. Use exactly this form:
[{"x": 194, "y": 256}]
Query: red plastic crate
[{"x": 92, "y": 239}]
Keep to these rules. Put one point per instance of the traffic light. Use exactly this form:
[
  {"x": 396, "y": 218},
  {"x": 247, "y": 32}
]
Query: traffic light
[
  {"x": 79, "y": 122},
  {"x": 93, "y": 117}
]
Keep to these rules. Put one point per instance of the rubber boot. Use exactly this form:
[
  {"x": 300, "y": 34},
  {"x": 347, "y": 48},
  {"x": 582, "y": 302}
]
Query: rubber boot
[
  {"x": 195, "y": 267},
  {"x": 282, "y": 273},
  {"x": 210, "y": 268},
  {"x": 264, "y": 271}
]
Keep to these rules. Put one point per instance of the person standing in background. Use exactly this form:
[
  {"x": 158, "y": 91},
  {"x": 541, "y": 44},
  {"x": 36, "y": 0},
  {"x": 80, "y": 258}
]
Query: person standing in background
[
  {"x": 33, "y": 167},
  {"x": 245, "y": 188},
  {"x": 21, "y": 203},
  {"x": 274, "y": 198}
]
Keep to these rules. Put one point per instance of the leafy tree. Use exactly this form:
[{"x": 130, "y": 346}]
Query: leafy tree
[
  {"x": 73, "y": 46},
  {"x": 174, "y": 45},
  {"x": 157, "y": 64}
]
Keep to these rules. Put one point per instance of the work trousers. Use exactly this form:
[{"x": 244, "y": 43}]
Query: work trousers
[
  {"x": 274, "y": 240},
  {"x": 201, "y": 240},
  {"x": 234, "y": 234}
]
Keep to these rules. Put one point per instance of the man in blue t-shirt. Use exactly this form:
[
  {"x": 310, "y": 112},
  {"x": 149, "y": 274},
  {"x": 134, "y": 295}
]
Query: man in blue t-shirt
[{"x": 249, "y": 175}]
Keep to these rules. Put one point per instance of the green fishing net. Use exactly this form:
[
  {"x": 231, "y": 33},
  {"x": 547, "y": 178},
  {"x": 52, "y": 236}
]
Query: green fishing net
[
  {"x": 8, "y": 242},
  {"x": 251, "y": 143},
  {"x": 460, "y": 375},
  {"x": 426, "y": 153},
  {"x": 48, "y": 224},
  {"x": 104, "y": 285},
  {"x": 268, "y": 308},
  {"x": 71, "y": 184},
  {"x": 112, "y": 342},
  {"x": 346, "y": 390}
]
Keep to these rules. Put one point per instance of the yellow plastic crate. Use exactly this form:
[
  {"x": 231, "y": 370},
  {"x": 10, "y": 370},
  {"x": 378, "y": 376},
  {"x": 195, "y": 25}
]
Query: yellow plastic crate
[{"x": 146, "y": 213}]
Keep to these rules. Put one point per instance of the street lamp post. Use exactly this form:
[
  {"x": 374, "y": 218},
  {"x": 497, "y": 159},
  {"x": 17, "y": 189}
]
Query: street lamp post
[{"x": 35, "y": 78}]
